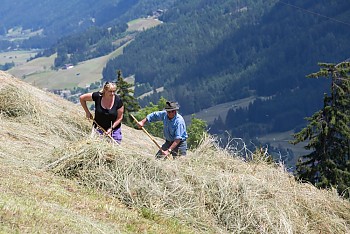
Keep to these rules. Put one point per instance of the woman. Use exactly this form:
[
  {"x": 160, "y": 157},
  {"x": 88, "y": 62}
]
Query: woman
[{"x": 109, "y": 110}]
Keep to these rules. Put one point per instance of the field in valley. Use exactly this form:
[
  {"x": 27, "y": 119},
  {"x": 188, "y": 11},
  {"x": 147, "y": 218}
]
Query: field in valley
[{"x": 39, "y": 72}]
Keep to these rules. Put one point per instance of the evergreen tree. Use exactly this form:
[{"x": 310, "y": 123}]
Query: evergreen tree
[
  {"x": 196, "y": 132},
  {"x": 328, "y": 134},
  {"x": 126, "y": 94}
]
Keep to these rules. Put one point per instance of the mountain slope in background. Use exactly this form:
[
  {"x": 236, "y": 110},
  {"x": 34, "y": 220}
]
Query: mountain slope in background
[
  {"x": 213, "y": 53},
  {"x": 55, "y": 19}
]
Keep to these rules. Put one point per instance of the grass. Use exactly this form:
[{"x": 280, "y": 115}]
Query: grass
[
  {"x": 42, "y": 199},
  {"x": 18, "y": 33},
  {"x": 79, "y": 76},
  {"x": 19, "y": 57},
  {"x": 210, "y": 114},
  {"x": 38, "y": 72}
]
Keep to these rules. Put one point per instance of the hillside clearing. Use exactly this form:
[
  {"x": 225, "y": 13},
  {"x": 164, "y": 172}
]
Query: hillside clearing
[
  {"x": 38, "y": 72},
  {"x": 19, "y": 57},
  {"x": 212, "y": 113},
  {"x": 143, "y": 24}
]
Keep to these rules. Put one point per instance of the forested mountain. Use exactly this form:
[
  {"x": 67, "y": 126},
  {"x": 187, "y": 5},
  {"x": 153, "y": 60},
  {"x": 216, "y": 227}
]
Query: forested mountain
[
  {"x": 209, "y": 52},
  {"x": 53, "y": 19}
]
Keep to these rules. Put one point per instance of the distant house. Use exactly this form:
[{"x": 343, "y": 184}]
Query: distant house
[
  {"x": 67, "y": 66},
  {"x": 65, "y": 93},
  {"x": 243, "y": 9},
  {"x": 158, "y": 13}
]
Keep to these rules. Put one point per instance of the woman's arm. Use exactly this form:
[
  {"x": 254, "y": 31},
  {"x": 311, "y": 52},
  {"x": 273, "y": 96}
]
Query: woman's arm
[
  {"x": 118, "y": 120},
  {"x": 120, "y": 117},
  {"x": 83, "y": 99}
]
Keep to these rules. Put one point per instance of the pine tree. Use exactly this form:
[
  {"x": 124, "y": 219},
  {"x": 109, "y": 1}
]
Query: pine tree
[
  {"x": 328, "y": 134},
  {"x": 126, "y": 94},
  {"x": 196, "y": 132}
]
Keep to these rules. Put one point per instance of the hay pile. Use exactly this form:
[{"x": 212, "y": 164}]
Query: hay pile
[
  {"x": 33, "y": 121},
  {"x": 22, "y": 105},
  {"x": 209, "y": 190}
]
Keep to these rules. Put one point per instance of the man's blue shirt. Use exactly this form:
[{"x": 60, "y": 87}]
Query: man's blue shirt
[{"x": 174, "y": 128}]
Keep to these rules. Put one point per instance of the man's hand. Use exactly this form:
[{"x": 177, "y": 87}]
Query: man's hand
[
  {"x": 141, "y": 123},
  {"x": 166, "y": 152}
]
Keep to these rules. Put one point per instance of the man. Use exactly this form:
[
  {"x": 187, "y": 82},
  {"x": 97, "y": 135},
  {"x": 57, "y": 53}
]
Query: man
[{"x": 174, "y": 128}]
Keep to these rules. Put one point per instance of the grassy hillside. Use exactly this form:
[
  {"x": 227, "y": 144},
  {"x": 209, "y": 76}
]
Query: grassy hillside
[
  {"x": 38, "y": 72},
  {"x": 18, "y": 57},
  {"x": 55, "y": 178},
  {"x": 33, "y": 199}
]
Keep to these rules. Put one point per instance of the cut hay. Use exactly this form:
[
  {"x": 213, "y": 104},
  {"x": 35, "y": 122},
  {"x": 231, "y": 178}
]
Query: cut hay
[
  {"x": 210, "y": 190},
  {"x": 16, "y": 102},
  {"x": 36, "y": 107}
]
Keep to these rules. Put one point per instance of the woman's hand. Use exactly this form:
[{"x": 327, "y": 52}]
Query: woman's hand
[
  {"x": 109, "y": 131},
  {"x": 89, "y": 115}
]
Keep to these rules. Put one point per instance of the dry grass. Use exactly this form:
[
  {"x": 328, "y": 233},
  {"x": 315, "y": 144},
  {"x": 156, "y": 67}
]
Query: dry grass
[
  {"x": 55, "y": 178},
  {"x": 209, "y": 190}
]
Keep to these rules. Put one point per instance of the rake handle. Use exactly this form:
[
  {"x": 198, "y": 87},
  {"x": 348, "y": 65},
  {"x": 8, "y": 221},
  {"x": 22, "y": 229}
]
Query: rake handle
[
  {"x": 104, "y": 132},
  {"x": 145, "y": 131}
]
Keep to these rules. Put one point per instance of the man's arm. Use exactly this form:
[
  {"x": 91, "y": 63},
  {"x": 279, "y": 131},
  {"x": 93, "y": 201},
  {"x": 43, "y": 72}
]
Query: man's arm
[{"x": 172, "y": 147}]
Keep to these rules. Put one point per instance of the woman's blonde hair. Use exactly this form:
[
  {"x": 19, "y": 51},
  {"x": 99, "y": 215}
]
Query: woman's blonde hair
[{"x": 108, "y": 86}]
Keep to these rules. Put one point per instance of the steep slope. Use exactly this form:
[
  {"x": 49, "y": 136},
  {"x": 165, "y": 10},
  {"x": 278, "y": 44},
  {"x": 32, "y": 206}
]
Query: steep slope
[
  {"x": 56, "y": 178},
  {"x": 34, "y": 123}
]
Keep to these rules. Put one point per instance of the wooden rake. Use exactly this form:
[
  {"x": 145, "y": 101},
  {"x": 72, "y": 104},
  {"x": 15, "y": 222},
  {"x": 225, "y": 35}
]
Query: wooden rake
[
  {"x": 104, "y": 132},
  {"x": 150, "y": 136}
]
